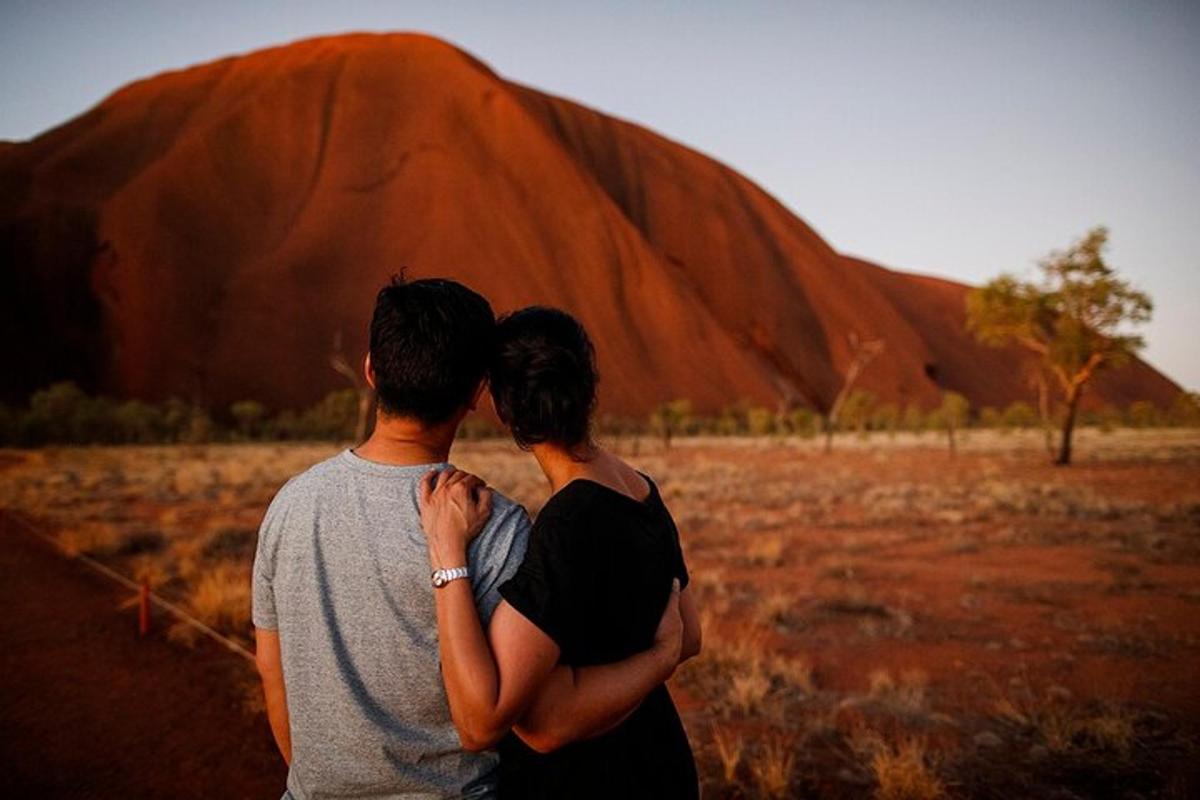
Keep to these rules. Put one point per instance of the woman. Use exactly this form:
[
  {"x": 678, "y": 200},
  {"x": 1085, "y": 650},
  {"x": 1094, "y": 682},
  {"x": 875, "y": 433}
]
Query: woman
[{"x": 602, "y": 559}]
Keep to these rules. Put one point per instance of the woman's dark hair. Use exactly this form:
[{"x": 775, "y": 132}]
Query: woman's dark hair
[
  {"x": 431, "y": 341},
  {"x": 543, "y": 377}
]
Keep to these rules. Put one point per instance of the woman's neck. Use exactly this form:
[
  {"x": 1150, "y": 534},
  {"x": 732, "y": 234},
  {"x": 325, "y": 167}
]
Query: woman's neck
[{"x": 561, "y": 465}]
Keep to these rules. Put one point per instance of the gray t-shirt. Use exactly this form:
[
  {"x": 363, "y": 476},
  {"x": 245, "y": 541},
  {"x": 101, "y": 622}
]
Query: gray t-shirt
[{"x": 342, "y": 572}]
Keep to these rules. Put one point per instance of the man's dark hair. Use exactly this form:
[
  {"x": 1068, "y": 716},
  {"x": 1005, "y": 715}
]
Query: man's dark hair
[
  {"x": 543, "y": 377},
  {"x": 431, "y": 341}
]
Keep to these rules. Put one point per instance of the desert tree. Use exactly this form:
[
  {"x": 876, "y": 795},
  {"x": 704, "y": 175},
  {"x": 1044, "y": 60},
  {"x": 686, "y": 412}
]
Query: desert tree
[
  {"x": 1185, "y": 410},
  {"x": 913, "y": 419},
  {"x": 951, "y": 416},
  {"x": 1143, "y": 414},
  {"x": 366, "y": 397},
  {"x": 1019, "y": 414},
  {"x": 138, "y": 422},
  {"x": 857, "y": 411},
  {"x": 862, "y": 353},
  {"x": 249, "y": 416},
  {"x": 671, "y": 418},
  {"x": 1074, "y": 319},
  {"x": 886, "y": 417},
  {"x": 761, "y": 421}
]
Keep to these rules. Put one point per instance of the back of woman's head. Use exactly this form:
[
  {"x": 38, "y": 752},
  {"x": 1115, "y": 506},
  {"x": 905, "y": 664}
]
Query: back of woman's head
[{"x": 543, "y": 377}]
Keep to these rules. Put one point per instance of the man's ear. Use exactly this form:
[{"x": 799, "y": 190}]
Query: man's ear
[
  {"x": 479, "y": 390},
  {"x": 370, "y": 373}
]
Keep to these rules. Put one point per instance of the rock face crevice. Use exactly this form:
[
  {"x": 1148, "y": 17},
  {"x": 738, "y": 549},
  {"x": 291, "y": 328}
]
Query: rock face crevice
[{"x": 211, "y": 232}]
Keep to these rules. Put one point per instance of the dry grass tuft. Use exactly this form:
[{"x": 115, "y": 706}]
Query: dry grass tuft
[
  {"x": 729, "y": 745},
  {"x": 748, "y": 689},
  {"x": 1064, "y": 728},
  {"x": 221, "y": 597},
  {"x": 909, "y": 694},
  {"x": 1109, "y": 728},
  {"x": 183, "y": 634},
  {"x": 904, "y": 772},
  {"x": 772, "y": 765},
  {"x": 90, "y": 538},
  {"x": 775, "y": 609},
  {"x": 794, "y": 672},
  {"x": 766, "y": 550},
  {"x": 745, "y": 677}
]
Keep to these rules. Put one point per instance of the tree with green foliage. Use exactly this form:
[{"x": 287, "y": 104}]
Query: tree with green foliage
[
  {"x": 358, "y": 380},
  {"x": 177, "y": 416},
  {"x": 886, "y": 417},
  {"x": 1143, "y": 414},
  {"x": 913, "y": 419},
  {"x": 801, "y": 421},
  {"x": 57, "y": 412},
  {"x": 1020, "y": 415},
  {"x": 137, "y": 422},
  {"x": 862, "y": 353},
  {"x": 1074, "y": 319},
  {"x": 1185, "y": 410},
  {"x": 951, "y": 416},
  {"x": 856, "y": 411},
  {"x": 249, "y": 415},
  {"x": 760, "y": 421},
  {"x": 670, "y": 419}
]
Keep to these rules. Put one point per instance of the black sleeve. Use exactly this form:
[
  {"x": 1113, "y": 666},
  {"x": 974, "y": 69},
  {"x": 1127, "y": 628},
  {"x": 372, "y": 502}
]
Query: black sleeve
[
  {"x": 681, "y": 570},
  {"x": 544, "y": 586}
]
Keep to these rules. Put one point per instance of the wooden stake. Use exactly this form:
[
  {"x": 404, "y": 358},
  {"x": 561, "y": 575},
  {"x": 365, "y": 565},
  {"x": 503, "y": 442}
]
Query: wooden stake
[{"x": 144, "y": 608}]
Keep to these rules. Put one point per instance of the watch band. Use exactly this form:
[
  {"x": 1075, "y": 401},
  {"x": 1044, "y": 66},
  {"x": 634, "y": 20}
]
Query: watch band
[{"x": 440, "y": 577}]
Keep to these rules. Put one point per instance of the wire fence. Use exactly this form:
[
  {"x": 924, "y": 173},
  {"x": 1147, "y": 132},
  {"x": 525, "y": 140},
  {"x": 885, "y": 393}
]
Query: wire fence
[{"x": 155, "y": 599}]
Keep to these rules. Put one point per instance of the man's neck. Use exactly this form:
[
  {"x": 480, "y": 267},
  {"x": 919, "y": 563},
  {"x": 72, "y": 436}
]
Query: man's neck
[{"x": 405, "y": 442}]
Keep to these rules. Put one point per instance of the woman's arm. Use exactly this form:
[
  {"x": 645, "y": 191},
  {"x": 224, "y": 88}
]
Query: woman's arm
[
  {"x": 576, "y": 703},
  {"x": 488, "y": 692}
]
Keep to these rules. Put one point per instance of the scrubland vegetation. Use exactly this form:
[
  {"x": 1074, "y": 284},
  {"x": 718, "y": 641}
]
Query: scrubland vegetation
[
  {"x": 65, "y": 414},
  {"x": 887, "y": 620}
]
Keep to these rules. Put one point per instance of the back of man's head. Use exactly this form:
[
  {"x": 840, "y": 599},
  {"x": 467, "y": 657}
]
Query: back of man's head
[{"x": 431, "y": 341}]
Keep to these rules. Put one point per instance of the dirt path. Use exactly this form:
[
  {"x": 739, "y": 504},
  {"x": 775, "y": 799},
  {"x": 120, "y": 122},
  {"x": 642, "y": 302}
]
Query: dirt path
[{"x": 89, "y": 710}]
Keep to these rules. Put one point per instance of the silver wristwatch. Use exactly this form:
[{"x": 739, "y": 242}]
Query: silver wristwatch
[{"x": 440, "y": 577}]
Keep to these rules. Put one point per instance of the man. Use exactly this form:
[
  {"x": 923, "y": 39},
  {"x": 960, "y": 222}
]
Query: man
[{"x": 343, "y": 603}]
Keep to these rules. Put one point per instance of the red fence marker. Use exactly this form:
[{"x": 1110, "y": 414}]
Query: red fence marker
[{"x": 144, "y": 608}]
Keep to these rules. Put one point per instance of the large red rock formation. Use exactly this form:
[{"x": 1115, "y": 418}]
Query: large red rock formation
[{"x": 211, "y": 232}]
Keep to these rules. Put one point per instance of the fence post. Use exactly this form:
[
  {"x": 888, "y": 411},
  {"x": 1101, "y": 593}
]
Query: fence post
[{"x": 144, "y": 608}]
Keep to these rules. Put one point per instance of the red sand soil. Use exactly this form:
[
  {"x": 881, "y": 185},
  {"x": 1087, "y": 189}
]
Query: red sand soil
[
  {"x": 209, "y": 232},
  {"x": 89, "y": 710},
  {"x": 1068, "y": 600}
]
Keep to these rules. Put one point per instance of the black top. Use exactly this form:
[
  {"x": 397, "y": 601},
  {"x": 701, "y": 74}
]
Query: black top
[{"x": 596, "y": 578}]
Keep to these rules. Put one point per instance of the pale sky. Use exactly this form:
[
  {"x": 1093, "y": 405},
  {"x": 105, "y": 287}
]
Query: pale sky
[{"x": 953, "y": 138}]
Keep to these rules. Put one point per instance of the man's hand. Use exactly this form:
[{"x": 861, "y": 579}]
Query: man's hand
[
  {"x": 668, "y": 638},
  {"x": 455, "y": 505},
  {"x": 270, "y": 667}
]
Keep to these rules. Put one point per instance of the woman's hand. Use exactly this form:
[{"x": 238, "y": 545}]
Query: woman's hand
[
  {"x": 668, "y": 638},
  {"x": 454, "y": 506}
]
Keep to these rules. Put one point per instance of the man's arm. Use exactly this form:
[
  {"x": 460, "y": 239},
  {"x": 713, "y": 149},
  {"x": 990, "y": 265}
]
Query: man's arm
[
  {"x": 692, "y": 634},
  {"x": 270, "y": 667},
  {"x": 576, "y": 703}
]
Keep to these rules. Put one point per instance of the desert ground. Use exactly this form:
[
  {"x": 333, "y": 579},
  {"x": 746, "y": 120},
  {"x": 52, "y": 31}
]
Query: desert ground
[{"x": 884, "y": 620}]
